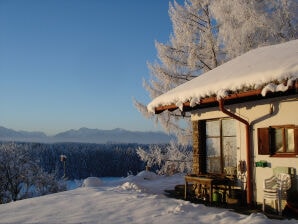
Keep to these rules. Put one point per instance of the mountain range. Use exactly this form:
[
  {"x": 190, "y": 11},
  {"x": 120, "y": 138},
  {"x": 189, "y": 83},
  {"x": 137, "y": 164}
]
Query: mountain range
[{"x": 86, "y": 135}]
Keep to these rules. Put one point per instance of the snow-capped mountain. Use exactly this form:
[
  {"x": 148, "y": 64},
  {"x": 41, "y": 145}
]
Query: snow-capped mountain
[{"x": 86, "y": 135}]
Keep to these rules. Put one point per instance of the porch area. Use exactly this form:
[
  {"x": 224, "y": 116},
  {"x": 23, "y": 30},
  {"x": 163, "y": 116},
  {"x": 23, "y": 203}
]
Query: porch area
[
  {"x": 213, "y": 189},
  {"x": 224, "y": 191},
  {"x": 234, "y": 201}
]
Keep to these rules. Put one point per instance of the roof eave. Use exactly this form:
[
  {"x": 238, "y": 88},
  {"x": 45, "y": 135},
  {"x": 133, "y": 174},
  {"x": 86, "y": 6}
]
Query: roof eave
[{"x": 230, "y": 99}]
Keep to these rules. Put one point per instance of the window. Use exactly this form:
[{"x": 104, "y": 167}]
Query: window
[
  {"x": 278, "y": 140},
  {"x": 220, "y": 145}
]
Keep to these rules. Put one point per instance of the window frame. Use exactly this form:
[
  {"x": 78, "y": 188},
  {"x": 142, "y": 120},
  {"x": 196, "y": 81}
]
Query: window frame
[
  {"x": 266, "y": 141},
  {"x": 221, "y": 137}
]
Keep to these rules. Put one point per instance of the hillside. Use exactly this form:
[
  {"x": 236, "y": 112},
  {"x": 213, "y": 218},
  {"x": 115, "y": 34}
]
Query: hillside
[
  {"x": 134, "y": 199},
  {"x": 86, "y": 135}
]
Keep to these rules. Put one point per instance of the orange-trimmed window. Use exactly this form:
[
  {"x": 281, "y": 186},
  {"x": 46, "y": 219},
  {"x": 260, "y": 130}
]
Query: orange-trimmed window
[{"x": 278, "y": 140}]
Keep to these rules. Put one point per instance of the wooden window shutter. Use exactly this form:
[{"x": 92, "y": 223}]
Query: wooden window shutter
[
  {"x": 264, "y": 141},
  {"x": 296, "y": 139}
]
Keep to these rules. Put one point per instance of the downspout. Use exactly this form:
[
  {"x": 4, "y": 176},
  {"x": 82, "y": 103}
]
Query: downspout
[{"x": 248, "y": 153}]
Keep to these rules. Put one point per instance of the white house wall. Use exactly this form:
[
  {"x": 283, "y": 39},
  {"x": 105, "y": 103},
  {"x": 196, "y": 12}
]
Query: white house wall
[{"x": 277, "y": 111}]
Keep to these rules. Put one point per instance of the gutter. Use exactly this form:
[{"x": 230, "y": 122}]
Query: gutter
[
  {"x": 212, "y": 101},
  {"x": 248, "y": 152}
]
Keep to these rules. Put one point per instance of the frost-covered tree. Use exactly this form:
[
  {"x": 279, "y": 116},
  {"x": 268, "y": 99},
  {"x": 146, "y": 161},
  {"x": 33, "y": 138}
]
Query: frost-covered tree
[
  {"x": 16, "y": 168},
  {"x": 192, "y": 50},
  {"x": 21, "y": 175},
  {"x": 173, "y": 158},
  {"x": 248, "y": 24},
  {"x": 207, "y": 33}
]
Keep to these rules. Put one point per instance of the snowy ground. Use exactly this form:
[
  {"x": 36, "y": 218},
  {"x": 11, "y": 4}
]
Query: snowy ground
[{"x": 135, "y": 199}]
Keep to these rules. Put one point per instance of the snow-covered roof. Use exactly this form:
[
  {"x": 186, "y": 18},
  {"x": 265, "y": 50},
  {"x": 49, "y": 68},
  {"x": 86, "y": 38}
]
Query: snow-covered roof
[{"x": 258, "y": 68}]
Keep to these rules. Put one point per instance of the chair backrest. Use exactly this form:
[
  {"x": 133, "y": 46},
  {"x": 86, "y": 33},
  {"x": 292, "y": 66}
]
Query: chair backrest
[
  {"x": 284, "y": 181},
  {"x": 270, "y": 183}
]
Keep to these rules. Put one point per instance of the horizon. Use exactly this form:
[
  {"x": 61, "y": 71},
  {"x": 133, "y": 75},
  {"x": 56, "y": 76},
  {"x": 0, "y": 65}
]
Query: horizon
[
  {"x": 87, "y": 135},
  {"x": 71, "y": 64},
  {"x": 98, "y": 129}
]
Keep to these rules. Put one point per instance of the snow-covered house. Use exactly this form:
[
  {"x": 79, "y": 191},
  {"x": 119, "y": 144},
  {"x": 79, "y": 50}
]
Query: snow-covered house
[{"x": 244, "y": 115}]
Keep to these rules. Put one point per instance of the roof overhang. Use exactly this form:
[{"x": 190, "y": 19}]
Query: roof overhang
[
  {"x": 233, "y": 98},
  {"x": 261, "y": 73}
]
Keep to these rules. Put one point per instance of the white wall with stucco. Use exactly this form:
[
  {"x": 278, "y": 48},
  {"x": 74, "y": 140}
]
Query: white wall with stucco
[{"x": 262, "y": 113}]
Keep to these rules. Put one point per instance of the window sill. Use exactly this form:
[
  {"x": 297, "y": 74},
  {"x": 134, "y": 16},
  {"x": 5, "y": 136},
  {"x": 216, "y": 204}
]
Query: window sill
[{"x": 285, "y": 155}]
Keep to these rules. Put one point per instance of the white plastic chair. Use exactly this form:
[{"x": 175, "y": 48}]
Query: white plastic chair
[{"x": 275, "y": 188}]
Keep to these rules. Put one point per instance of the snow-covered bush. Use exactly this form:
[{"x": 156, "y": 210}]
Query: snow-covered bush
[
  {"x": 92, "y": 182},
  {"x": 46, "y": 183},
  {"x": 170, "y": 159},
  {"x": 146, "y": 175}
]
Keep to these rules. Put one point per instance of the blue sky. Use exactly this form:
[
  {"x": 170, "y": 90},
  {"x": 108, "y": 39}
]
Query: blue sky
[{"x": 67, "y": 64}]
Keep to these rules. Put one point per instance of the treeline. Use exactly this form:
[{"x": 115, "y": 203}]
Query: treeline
[
  {"x": 84, "y": 160},
  {"x": 35, "y": 169}
]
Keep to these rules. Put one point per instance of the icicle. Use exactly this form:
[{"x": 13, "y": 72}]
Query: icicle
[
  {"x": 179, "y": 104},
  {"x": 268, "y": 88},
  {"x": 194, "y": 101}
]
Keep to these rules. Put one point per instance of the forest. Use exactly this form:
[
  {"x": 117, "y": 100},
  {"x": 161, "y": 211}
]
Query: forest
[
  {"x": 35, "y": 169},
  {"x": 83, "y": 159}
]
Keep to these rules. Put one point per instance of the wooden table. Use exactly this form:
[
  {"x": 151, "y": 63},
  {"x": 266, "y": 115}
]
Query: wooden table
[{"x": 208, "y": 183}]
